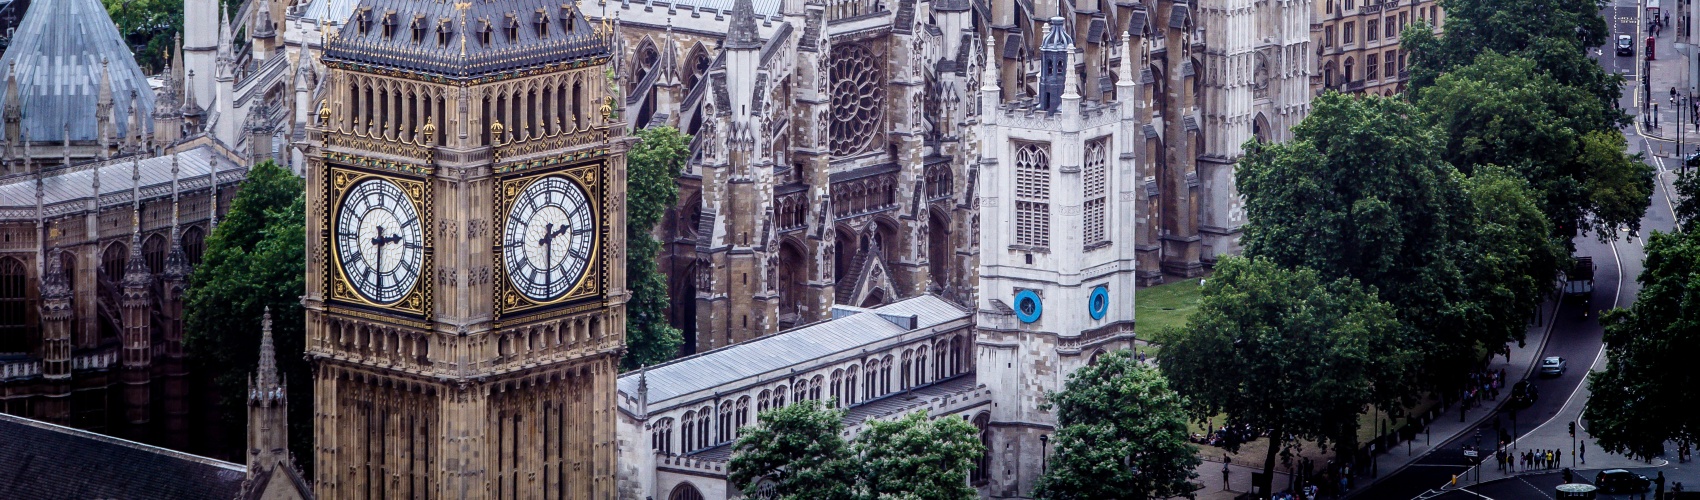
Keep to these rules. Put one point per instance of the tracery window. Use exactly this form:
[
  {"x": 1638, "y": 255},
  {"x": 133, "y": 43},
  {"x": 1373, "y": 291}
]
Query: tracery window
[
  {"x": 814, "y": 387},
  {"x": 762, "y": 401},
  {"x": 13, "y": 305},
  {"x": 112, "y": 262},
  {"x": 743, "y": 416},
  {"x": 858, "y": 101},
  {"x": 779, "y": 397},
  {"x": 702, "y": 427},
  {"x": 1093, "y": 182},
  {"x": 725, "y": 426},
  {"x": 1033, "y": 196},
  {"x": 850, "y": 386},
  {"x": 800, "y": 391},
  {"x": 687, "y": 432},
  {"x": 837, "y": 385},
  {"x": 661, "y": 438},
  {"x": 870, "y": 384},
  {"x": 153, "y": 252},
  {"x": 194, "y": 244},
  {"x": 908, "y": 365},
  {"x": 921, "y": 365},
  {"x": 982, "y": 465},
  {"x": 885, "y": 375}
]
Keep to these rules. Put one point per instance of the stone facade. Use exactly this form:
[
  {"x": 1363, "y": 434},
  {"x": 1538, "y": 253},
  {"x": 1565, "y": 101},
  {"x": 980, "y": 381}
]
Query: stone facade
[
  {"x": 1360, "y": 43},
  {"x": 458, "y": 368}
]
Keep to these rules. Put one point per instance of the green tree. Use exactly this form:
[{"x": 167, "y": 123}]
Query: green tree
[
  {"x": 918, "y": 457},
  {"x": 1361, "y": 192},
  {"x": 1503, "y": 110},
  {"x": 651, "y": 167},
  {"x": 1687, "y": 206},
  {"x": 1292, "y": 354},
  {"x": 1510, "y": 255},
  {"x": 1645, "y": 396},
  {"x": 799, "y": 449},
  {"x": 1121, "y": 434},
  {"x": 1556, "y": 34},
  {"x": 148, "y": 26},
  {"x": 254, "y": 259}
]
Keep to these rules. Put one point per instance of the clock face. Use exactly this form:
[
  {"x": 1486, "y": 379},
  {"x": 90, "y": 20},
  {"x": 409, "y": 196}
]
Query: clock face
[
  {"x": 550, "y": 236},
  {"x": 378, "y": 240}
]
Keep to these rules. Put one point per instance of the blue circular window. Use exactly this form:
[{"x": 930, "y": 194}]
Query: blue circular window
[
  {"x": 1098, "y": 305},
  {"x": 1028, "y": 308}
]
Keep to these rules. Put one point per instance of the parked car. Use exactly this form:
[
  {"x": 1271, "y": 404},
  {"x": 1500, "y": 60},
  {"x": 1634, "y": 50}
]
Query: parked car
[
  {"x": 1553, "y": 366},
  {"x": 1621, "y": 481},
  {"x": 1625, "y": 45},
  {"x": 1524, "y": 394}
]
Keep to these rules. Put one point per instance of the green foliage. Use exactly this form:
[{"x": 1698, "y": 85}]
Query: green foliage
[
  {"x": 1646, "y": 394},
  {"x": 651, "y": 167},
  {"x": 1556, "y": 34},
  {"x": 148, "y": 26},
  {"x": 1361, "y": 192},
  {"x": 1290, "y": 352},
  {"x": 1687, "y": 206},
  {"x": 917, "y": 457},
  {"x": 798, "y": 448},
  {"x": 255, "y": 259},
  {"x": 1502, "y": 110},
  {"x": 1121, "y": 434},
  {"x": 1510, "y": 255}
]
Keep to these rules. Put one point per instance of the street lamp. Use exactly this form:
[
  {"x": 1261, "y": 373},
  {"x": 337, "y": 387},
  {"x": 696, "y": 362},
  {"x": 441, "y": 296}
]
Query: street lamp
[{"x": 1044, "y": 446}]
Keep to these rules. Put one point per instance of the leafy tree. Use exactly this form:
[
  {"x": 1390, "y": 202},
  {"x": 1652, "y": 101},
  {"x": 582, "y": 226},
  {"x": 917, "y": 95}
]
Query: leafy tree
[
  {"x": 148, "y": 26},
  {"x": 1556, "y": 34},
  {"x": 1510, "y": 255},
  {"x": 254, "y": 259},
  {"x": 1502, "y": 110},
  {"x": 917, "y": 457},
  {"x": 1122, "y": 434},
  {"x": 651, "y": 167},
  {"x": 1292, "y": 354},
  {"x": 1687, "y": 205},
  {"x": 1361, "y": 192},
  {"x": 1646, "y": 394},
  {"x": 799, "y": 448}
]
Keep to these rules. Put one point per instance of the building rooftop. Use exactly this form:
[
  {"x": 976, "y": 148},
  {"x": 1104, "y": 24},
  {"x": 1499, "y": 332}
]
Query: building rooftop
[
  {"x": 56, "y": 56},
  {"x": 64, "y": 188},
  {"x": 465, "y": 40},
  {"x": 783, "y": 350},
  {"x": 42, "y": 460}
]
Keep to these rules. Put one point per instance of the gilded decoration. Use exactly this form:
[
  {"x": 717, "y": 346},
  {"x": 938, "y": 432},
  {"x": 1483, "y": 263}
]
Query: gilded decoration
[
  {"x": 417, "y": 301},
  {"x": 591, "y": 283}
]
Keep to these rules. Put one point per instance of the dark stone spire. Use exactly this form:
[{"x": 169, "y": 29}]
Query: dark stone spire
[
  {"x": 1053, "y": 58},
  {"x": 268, "y": 382},
  {"x": 741, "y": 33},
  {"x": 55, "y": 285}
]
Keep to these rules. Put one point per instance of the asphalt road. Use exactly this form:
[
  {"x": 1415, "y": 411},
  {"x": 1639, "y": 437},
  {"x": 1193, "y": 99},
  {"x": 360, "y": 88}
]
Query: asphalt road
[{"x": 1574, "y": 336}]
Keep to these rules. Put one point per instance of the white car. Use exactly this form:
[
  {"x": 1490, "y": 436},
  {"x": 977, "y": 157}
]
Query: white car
[{"x": 1553, "y": 366}]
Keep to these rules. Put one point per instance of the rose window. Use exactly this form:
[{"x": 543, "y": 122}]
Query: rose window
[{"x": 858, "y": 102}]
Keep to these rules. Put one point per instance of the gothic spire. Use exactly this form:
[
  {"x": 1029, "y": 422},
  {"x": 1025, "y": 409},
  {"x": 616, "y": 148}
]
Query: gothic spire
[
  {"x": 741, "y": 33},
  {"x": 989, "y": 74},
  {"x": 1126, "y": 66},
  {"x": 55, "y": 285},
  {"x": 212, "y": 210},
  {"x": 105, "y": 121},
  {"x": 176, "y": 262},
  {"x": 136, "y": 270},
  {"x": 268, "y": 355}
]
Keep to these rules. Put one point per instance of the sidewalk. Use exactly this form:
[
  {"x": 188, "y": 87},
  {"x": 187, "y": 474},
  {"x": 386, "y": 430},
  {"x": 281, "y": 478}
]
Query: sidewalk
[
  {"x": 1668, "y": 71},
  {"x": 1445, "y": 427}
]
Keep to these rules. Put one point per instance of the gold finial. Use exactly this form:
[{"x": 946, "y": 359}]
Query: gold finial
[
  {"x": 496, "y": 131},
  {"x": 324, "y": 111},
  {"x": 430, "y": 131},
  {"x": 608, "y": 108}
]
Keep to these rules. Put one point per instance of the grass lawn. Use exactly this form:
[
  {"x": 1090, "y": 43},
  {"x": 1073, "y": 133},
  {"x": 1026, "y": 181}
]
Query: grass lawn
[{"x": 1164, "y": 305}]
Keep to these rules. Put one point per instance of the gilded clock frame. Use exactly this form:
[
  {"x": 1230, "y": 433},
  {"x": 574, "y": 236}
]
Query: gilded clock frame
[
  {"x": 416, "y": 302},
  {"x": 589, "y": 176}
]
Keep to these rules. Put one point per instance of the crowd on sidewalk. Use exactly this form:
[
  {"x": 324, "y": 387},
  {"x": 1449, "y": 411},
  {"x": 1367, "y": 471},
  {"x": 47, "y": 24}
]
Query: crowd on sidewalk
[{"x": 1512, "y": 461}]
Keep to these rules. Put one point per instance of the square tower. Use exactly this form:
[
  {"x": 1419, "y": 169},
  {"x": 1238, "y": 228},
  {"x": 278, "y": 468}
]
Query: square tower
[{"x": 466, "y": 285}]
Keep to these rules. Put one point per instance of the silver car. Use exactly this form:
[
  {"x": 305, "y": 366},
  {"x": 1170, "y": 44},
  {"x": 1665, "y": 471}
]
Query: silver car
[{"x": 1553, "y": 366}]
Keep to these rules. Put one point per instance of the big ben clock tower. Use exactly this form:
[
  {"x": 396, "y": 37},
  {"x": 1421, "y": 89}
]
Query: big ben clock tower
[{"x": 466, "y": 286}]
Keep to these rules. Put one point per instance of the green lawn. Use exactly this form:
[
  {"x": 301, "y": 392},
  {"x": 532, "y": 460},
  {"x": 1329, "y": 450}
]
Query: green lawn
[{"x": 1164, "y": 305}]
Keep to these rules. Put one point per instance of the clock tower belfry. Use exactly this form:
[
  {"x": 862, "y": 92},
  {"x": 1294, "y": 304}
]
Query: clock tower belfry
[{"x": 466, "y": 248}]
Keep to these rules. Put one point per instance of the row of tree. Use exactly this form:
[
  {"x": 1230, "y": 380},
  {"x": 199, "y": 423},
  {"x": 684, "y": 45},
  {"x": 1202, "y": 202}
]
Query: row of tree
[{"x": 798, "y": 451}]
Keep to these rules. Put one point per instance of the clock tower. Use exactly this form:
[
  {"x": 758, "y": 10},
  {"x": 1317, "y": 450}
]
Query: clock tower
[{"x": 466, "y": 285}]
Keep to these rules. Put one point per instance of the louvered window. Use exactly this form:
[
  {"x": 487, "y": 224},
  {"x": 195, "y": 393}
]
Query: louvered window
[
  {"x": 1094, "y": 183},
  {"x": 1033, "y": 196}
]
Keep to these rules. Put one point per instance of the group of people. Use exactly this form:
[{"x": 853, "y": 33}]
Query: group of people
[
  {"x": 1484, "y": 384},
  {"x": 1511, "y": 461}
]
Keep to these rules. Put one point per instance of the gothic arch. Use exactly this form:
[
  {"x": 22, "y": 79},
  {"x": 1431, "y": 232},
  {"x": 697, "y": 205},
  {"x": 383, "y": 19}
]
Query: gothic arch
[
  {"x": 153, "y": 252},
  {"x": 982, "y": 465},
  {"x": 1260, "y": 128},
  {"x": 14, "y": 305},
  {"x": 643, "y": 62},
  {"x": 938, "y": 247},
  {"x": 848, "y": 245},
  {"x": 793, "y": 278},
  {"x": 112, "y": 261},
  {"x": 694, "y": 66},
  {"x": 685, "y": 491}
]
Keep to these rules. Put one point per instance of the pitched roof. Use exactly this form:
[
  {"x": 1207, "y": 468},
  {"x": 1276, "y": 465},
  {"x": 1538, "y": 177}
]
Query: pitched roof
[
  {"x": 788, "y": 348},
  {"x": 66, "y": 189},
  {"x": 42, "y": 460},
  {"x": 329, "y": 11},
  {"x": 56, "y": 55},
  {"x": 363, "y": 39}
]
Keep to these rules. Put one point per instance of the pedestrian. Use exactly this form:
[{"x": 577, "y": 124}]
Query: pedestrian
[
  {"x": 1582, "y": 453},
  {"x": 1225, "y": 462},
  {"x": 1499, "y": 459}
]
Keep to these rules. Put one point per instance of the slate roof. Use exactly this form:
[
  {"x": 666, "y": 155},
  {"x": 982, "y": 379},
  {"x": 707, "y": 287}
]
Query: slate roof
[
  {"x": 56, "y": 54},
  {"x": 67, "y": 189},
  {"x": 570, "y": 36},
  {"x": 45, "y": 461},
  {"x": 788, "y": 348},
  {"x": 334, "y": 11}
]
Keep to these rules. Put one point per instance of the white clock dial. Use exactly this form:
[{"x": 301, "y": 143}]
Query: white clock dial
[
  {"x": 550, "y": 236},
  {"x": 379, "y": 242}
]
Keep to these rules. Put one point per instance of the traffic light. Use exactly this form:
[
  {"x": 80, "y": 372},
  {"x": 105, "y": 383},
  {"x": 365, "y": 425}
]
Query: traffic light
[{"x": 1573, "y": 429}]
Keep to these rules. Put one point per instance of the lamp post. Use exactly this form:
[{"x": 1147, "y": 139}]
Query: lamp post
[{"x": 1044, "y": 447}]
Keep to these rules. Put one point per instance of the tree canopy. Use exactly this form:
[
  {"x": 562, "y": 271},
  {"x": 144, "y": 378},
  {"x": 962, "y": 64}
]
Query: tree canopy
[
  {"x": 1556, "y": 34},
  {"x": 917, "y": 457},
  {"x": 799, "y": 449},
  {"x": 651, "y": 167},
  {"x": 1645, "y": 396},
  {"x": 149, "y": 27},
  {"x": 1509, "y": 256},
  {"x": 1289, "y": 352},
  {"x": 254, "y": 259},
  {"x": 1121, "y": 434}
]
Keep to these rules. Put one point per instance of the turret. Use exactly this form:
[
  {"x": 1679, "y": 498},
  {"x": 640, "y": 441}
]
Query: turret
[
  {"x": 743, "y": 54},
  {"x": 1054, "y": 53},
  {"x": 105, "y": 123},
  {"x": 137, "y": 311},
  {"x": 58, "y": 315},
  {"x": 268, "y": 409}
]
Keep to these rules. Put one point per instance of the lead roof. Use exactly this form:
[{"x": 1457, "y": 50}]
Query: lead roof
[
  {"x": 42, "y": 460},
  {"x": 363, "y": 39},
  {"x": 56, "y": 55}
]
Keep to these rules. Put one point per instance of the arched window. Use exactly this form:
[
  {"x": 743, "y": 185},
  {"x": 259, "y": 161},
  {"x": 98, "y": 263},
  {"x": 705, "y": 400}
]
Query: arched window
[
  {"x": 153, "y": 252},
  {"x": 687, "y": 432},
  {"x": 762, "y": 401},
  {"x": 725, "y": 423},
  {"x": 743, "y": 416},
  {"x": 702, "y": 427},
  {"x": 921, "y": 365},
  {"x": 885, "y": 375},
  {"x": 800, "y": 391},
  {"x": 908, "y": 365},
  {"x": 684, "y": 491},
  {"x": 661, "y": 438},
  {"x": 1033, "y": 196},
  {"x": 870, "y": 384},
  {"x": 13, "y": 305},
  {"x": 779, "y": 397},
  {"x": 194, "y": 244},
  {"x": 814, "y": 387},
  {"x": 983, "y": 465},
  {"x": 837, "y": 384},
  {"x": 939, "y": 351},
  {"x": 112, "y": 262},
  {"x": 850, "y": 386}
]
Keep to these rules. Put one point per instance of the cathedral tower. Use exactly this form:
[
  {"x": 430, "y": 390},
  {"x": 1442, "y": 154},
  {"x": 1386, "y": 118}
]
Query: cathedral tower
[{"x": 466, "y": 285}]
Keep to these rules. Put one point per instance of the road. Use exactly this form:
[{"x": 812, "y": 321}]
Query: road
[{"x": 1576, "y": 333}]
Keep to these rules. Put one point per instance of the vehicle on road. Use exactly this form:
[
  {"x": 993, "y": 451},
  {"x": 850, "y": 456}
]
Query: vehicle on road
[
  {"x": 1621, "y": 481},
  {"x": 1625, "y": 45},
  {"x": 1553, "y": 366},
  {"x": 1579, "y": 282},
  {"x": 1524, "y": 394}
]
